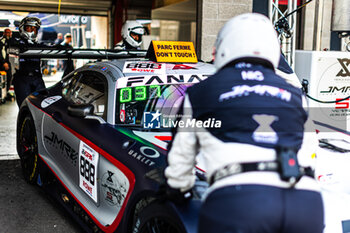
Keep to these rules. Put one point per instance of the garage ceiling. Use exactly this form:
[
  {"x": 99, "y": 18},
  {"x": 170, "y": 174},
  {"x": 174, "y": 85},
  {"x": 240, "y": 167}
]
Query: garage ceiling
[
  {"x": 175, "y": 9},
  {"x": 83, "y": 7},
  {"x": 136, "y": 8}
]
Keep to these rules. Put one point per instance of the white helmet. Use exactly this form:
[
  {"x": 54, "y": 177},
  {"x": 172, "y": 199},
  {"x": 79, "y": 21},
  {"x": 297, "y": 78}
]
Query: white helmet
[
  {"x": 249, "y": 35},
  {"x": 132, "y": 27},
  {"x": 29, "y": 21}
]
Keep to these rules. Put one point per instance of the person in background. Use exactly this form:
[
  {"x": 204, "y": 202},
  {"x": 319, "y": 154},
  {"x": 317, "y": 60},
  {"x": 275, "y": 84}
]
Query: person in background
[
  {"x": 59, "y": 38},
  {"x": 4, "y": 56},
  {"x": 59, "y": 41},
  {"x": 68, "y": 65},
  {"x": 132, "y": 32},
  {"x": 257, "y": 163}
]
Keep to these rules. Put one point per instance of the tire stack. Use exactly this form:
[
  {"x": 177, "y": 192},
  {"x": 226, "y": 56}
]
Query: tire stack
[{"x": 3, "y": 90}]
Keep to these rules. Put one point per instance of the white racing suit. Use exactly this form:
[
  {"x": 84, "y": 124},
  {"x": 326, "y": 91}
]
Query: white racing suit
[
  {"x": 258, "y": 112},
  {"x": 187, "y": 144}
]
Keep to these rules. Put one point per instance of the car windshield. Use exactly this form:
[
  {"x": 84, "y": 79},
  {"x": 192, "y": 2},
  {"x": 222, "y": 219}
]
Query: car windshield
[{"x": 137, "y": 105}]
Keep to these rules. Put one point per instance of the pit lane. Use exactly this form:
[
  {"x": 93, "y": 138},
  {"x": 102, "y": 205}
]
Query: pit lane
[{"x": 24, "y": 207}]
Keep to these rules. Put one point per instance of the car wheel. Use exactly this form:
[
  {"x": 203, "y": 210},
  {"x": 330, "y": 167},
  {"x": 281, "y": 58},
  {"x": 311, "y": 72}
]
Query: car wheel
[
  {"x": 27, "y": 148},
  {"x": 157, "y": 218}
]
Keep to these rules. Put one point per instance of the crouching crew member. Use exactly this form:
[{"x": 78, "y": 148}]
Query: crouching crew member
[{"x": 257, "y": 165}]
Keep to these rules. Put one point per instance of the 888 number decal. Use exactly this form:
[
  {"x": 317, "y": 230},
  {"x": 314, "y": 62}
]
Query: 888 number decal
[
  {"x": 87, "y": 170},
  {"x": 144, "y": 66}
]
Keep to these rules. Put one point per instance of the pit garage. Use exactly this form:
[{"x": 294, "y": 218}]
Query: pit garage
[{"x": 316, "y": 44}]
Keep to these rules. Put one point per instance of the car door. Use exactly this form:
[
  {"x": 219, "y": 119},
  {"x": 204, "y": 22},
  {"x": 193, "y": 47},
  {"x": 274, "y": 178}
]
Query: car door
[
  {"x": 100, "y": 183},
  {"x": 74, "y": 160}
]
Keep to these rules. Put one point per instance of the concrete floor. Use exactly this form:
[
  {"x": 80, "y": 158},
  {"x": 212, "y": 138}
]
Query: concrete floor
[
  {"x": 27, "y": 208},
  {"x": 8, "y": 116},
  {"x": 24, "y": 207}
]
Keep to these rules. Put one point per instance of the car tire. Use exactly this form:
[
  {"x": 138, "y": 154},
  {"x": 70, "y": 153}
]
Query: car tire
[
  {"x": 27, "y": 148},
  {"x": 157, "y": 218}
]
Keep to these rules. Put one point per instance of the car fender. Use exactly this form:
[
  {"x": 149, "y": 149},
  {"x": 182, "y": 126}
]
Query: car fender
[{"x": 188, "y": 213}]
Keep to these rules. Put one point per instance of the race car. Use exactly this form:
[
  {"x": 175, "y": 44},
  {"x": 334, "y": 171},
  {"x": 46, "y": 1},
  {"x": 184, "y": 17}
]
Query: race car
[
  {"x": 97, "y": 142},
  {"x": 332, "y": 173}
]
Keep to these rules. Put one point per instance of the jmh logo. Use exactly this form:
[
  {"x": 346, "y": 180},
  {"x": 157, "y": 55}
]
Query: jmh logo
[{"x": 151, "y": 120}]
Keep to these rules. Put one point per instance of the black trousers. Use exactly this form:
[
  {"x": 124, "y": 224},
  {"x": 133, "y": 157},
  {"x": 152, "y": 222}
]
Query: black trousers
[
  {"x": 9, "y": 79},
  {"x": 261, "y": 209},
  {"x": 25, "y": 85}
]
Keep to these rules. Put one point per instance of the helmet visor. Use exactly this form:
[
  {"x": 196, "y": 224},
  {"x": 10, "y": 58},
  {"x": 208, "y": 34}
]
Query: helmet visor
[{"x": 136, "y": 37}]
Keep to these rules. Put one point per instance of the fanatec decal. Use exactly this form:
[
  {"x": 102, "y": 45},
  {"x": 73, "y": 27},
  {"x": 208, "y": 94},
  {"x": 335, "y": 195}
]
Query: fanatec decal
[{"x": 160, "y": 80}]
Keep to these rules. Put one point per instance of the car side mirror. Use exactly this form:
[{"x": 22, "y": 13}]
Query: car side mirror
[{"x": 81, "y": 110}]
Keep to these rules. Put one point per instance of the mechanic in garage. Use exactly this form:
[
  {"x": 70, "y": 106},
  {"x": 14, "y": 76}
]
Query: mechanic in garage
[
  {"x": 28, "y": 78},
  {"x": 68, "y": 65},
  {"x": 132, "y": 32},
  {"x": 5, "y": 65},
  {"x": 257, "y": 164}
]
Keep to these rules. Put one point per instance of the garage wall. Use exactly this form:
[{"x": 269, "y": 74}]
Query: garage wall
[
  {"x": 99, "y": 35},
  {"x": 212, "y": 15},
  {"x": 320, "y": 41}
]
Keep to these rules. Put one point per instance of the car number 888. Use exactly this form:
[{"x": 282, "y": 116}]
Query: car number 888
[{"x": 87, "y": 170}]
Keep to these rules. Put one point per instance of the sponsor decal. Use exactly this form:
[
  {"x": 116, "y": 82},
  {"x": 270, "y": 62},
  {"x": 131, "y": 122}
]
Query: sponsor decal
[
  {"x": 263, "y": 90},
  {"x": 183, "y": 67},
  {"x": 146, "y": 67},
  {"x": 264, "y": 132},
  {"x": 333, "y": 83},
  {"x": 252, "y": 75},
  {"x": 73, "y": 19},
  {"x": 343, "y": 104},
  {"x": 243, "y": 65},
  {"x": 50, "y": 100},
  {"x": 146, "y": 153},
  {"x": 335, "y": 89},
  {"x": 344, "y": 72},
  {"x": 326, "y": 178},
  {"x": 87, "y": 188},
  {"x": 155, "y": 120},
  {"x": 88, "y": 164},
  {"x": 149, "y": 152},
  {"x": 148, "y": 80},
  {"x": 114, "y": 188},
  {"x": 62, "y": 146},
  {"x": 122, "y": 113}
]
